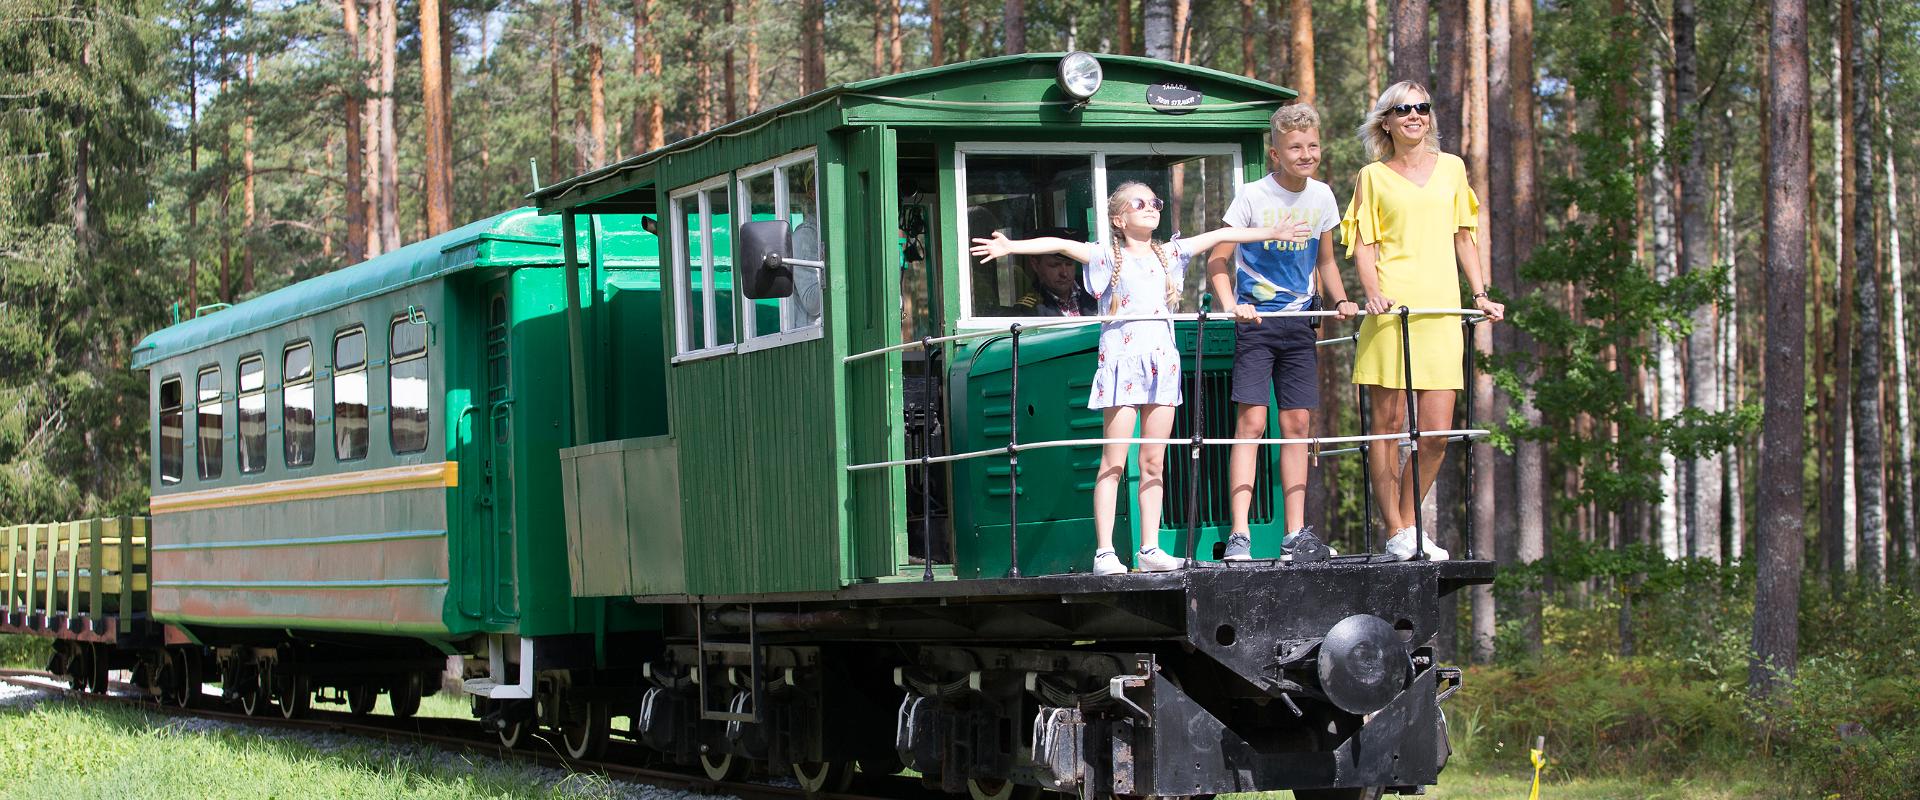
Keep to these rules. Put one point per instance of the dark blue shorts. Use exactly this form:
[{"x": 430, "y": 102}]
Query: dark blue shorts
[{"x": 1278, "y": 351}]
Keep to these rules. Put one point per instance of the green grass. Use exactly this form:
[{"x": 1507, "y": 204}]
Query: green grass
[{"x": 62, "y": 748}]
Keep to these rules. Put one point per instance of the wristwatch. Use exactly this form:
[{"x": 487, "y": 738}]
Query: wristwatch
[{"x": 1478, "y": 295}]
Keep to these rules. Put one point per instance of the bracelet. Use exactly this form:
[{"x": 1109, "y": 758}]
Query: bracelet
[{"x": 1479, "y": 295}]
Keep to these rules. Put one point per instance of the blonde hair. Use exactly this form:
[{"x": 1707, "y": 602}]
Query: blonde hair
[
  {"x": 1289, "y": 118},
  {"x": 1374, "y": 135},
  {"x": 1117, "y": 203}
]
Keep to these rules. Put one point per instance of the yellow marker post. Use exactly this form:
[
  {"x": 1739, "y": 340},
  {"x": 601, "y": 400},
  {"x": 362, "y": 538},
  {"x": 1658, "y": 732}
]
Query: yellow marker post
[{"x": 1539, "y": 756}]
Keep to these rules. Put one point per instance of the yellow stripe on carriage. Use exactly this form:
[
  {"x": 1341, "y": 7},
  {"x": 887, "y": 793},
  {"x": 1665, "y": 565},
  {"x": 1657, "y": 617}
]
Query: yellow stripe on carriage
[{"x": 443, "y": 474}]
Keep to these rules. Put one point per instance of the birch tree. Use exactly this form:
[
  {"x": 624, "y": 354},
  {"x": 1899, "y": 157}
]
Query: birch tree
[
  {"x": 1869, "y": 451},
  {"x": 1703, "y": 378}
]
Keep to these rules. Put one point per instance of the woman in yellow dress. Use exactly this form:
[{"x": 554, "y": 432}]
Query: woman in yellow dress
[{"x": 1411, "y": 220}]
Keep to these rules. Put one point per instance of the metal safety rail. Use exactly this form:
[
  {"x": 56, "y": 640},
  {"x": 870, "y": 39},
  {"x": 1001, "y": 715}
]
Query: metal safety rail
[{"x": 1410, "y": 440}]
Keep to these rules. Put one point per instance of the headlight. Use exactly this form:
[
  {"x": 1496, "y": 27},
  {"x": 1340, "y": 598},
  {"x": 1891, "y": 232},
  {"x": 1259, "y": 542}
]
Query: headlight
[{"x": 1079, "y": 74}]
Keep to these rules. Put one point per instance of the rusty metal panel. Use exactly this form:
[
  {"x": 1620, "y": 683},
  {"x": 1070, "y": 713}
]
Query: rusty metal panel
[{"x": 623, "y": 517}]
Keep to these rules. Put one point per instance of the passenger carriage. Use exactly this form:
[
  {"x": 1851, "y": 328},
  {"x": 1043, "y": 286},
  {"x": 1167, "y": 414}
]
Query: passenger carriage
[{"x": 763, "y": 510}]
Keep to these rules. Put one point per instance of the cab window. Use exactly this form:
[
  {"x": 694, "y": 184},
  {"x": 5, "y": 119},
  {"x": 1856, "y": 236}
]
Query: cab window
[
  {"x": 1061, "y": 191},
  {"x": 785, "y": 189}
]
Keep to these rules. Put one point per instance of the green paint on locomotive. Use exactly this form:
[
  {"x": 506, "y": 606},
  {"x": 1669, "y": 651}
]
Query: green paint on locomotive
[
  {"x": 460, "y": 537},
  {"x": 763, "y": 436}
]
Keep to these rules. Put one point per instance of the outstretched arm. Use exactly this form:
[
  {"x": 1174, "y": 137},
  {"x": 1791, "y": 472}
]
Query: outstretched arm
[
  {"x": 1286, "y": 231},
  {"x": 1468, "y": 252},
  {"x": 1000, "y": 245}
]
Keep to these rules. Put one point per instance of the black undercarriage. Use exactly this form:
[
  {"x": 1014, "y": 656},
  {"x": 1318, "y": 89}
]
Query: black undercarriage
[{"x": 1218, "y": 678}]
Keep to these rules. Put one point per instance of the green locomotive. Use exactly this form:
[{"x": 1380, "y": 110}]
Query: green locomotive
[{"x": 584, "y": 447}]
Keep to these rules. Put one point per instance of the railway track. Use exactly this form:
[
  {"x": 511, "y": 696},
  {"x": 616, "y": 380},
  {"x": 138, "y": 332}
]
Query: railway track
[{"x": 468, "y": 736}]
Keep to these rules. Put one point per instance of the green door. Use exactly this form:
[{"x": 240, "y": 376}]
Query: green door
[{"x": 490, "y": 564}]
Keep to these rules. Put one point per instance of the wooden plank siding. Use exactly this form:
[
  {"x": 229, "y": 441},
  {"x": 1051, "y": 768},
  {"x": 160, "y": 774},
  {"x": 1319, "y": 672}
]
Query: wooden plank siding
[{"x": 759, "y": 470}]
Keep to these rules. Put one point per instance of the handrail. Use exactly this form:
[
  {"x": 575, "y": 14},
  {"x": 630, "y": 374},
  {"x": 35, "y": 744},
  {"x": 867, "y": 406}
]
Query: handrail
[
  {"x": 1409, "y": 440},
  {"x": 1451, "y": 435},
  {"x": 1068, "y": 322}
]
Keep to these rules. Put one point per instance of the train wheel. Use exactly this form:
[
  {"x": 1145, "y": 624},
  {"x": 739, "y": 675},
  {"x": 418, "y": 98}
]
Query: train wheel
[
  {"x": 824, "y": 777},
  {"x": 1000, "y": 789},
  {"x": 585, "y": 736},
  {"x": 253, "y": 700},
  {"x": 514, "y": 735},
  {"x": 97, "y": 669},
  {"x": 361, "y": 698},
  {"x": 404, "y": 696},
  {"x": 296, "y": 697},
  {"x": 184, "y": 667},
  {"x": 724, "y": 768}
]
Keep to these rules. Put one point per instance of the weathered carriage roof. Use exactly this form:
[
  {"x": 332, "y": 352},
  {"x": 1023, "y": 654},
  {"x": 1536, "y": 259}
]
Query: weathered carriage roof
[
  {"x": 951, "y": 94},
  {"x": 516, "y": 237}
]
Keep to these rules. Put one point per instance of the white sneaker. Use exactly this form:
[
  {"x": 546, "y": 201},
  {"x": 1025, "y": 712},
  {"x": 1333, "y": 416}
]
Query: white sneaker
[
  {"x": 1400, "y": 547},
  {"x": 1153, "y": 559},
  {"x": 1107, "y": 562}
]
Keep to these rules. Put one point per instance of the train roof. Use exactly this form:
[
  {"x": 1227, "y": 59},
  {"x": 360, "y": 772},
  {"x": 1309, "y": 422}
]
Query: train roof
[
  {"x": 987, "y": 90},
  {"x": 516, "y": 238}
]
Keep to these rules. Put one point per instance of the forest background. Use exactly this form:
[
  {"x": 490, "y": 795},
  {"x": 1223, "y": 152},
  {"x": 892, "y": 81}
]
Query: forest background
[{"x": 162, "y": 155}]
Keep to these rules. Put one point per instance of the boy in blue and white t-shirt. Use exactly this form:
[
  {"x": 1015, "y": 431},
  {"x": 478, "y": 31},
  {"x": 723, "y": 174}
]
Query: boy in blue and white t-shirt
[{"x": 1278, "y": 351}]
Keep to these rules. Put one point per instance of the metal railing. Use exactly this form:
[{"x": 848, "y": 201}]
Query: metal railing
[{"x": 1409, "y": 440}]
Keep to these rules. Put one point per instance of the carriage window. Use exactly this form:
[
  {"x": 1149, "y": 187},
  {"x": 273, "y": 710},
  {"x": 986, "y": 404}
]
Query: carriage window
[
  {"x": 172, "y": 440},
  {"x": 786, "y": 189},
  {"x": 209, "y": 424},
  {"x": 1013, "y": 191},
  {"x": 297, "y": 398},
  {"x": 252, "y": 416},
  {"x": 350, "y": 395},
  {"x": 407, "y": 386},
  {"x": 703, "y": 272}
]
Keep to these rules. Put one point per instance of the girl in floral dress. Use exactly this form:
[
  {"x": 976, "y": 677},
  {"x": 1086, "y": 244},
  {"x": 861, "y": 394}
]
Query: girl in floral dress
[{"x": 1138, "y": 378}]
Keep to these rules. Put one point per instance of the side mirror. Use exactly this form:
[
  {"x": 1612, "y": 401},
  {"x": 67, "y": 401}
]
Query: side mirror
[{"x": 763, "y": 268}]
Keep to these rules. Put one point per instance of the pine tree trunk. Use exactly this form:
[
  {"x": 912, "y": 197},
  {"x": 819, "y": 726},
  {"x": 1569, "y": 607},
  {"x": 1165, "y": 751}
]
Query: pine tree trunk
[
  {"x": 895, "y": 58},
  {"x": 1303, "y": 79},
  {"x": 1869, "y": 450},
  {"x": 193, "y": 165},
  {"x": 1410, "y": 48},
  {"x": 553, "y": 92},
  {"x": 1249, "y": 31},
  {"x": 1530, "y": 456},
  {"x": 1156, "y": 28},
  {"x": 226, "y": 203},
  {"x": 753, "y": 55},
  {"x": 582, "y": 143},
  {"x": 1485, "y": 505},
  {"x": 1903, "y": 421},
  {"x": 1449, "y": 88},
  {"x": 597, "y": 87},
  {"x": 1014, "y": 34},
  {"x": 1183, "y": 31},
  {"x": 1123, "y": 27},
  {"x": 1703, "y": 369},
  {"x": 879, "y": 39},
  {"x": 937, "y": 33},
  {"x": 1776, "y": 629},
  {"x": 249, "y": 208},
  {"x": 1376, "y": 52},
  {"x": 438, "y": 160},
  {"x": 389, "y": 136},
  {"x": 732, "y": 106},
  {"x": 370, "y": 125},
  {"x": 356, "y": 165},
  {"x": 813, "y": 38},
  {"x": 1666, "y": 389}
]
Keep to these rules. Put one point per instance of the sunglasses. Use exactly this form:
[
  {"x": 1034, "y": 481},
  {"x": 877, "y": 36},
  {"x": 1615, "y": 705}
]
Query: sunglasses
[
  {"x": 1142, "y": 203},
  {"x": 1408, "y": 108}
]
